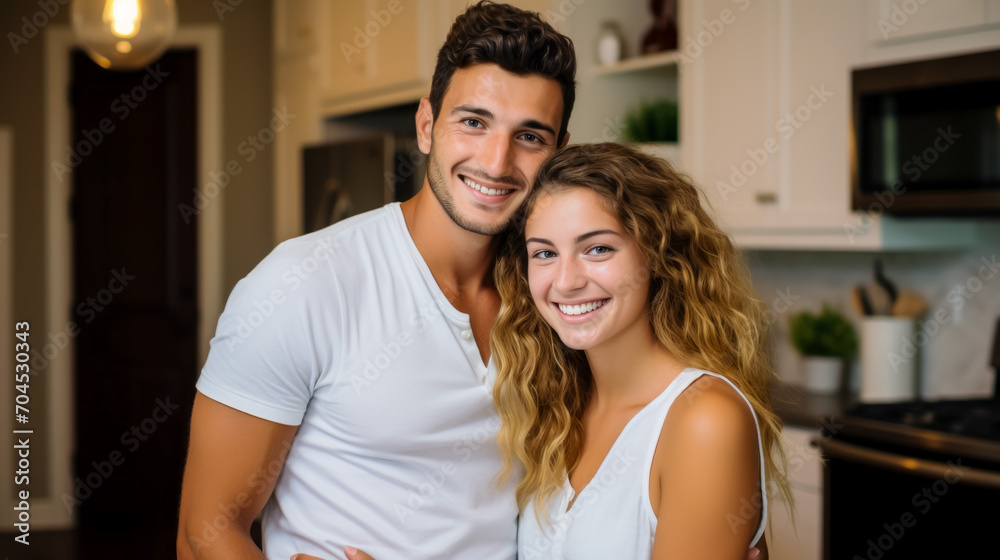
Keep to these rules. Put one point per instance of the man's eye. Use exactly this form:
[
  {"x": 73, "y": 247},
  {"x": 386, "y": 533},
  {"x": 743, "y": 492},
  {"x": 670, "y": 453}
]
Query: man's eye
[
  {"x": 531, "y": 138},
  {"x": 472, "y": 122}
]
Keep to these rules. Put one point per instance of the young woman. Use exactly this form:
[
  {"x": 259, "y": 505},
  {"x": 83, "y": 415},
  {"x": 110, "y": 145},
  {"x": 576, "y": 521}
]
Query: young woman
[{"x": 632, "y": 368}]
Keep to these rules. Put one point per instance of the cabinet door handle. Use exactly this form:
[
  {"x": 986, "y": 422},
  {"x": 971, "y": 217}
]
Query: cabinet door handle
[
  {"x": 767, "y": 198},
  {"x": 908, "y": 465}
]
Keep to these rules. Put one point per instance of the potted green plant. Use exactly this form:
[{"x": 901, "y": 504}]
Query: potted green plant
[
  {"x": 825, "y": 340},
  {"x": 652, "y": 126},
  {"x": 652, "y": 121}
]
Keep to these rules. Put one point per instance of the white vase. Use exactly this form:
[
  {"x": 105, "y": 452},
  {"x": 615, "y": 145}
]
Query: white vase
[{"x": 822, "y": 374}]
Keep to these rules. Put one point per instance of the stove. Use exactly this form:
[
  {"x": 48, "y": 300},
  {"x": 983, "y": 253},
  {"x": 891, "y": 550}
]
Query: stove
[
  {"x": 966, "y": 418},
  {"x": 916, "y": 479},
  {"x": 966, "y": 427}
]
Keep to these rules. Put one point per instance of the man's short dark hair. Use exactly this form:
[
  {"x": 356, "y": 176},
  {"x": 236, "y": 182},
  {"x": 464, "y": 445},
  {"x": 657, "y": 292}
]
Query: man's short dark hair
[{"x": 516, "y": 40}]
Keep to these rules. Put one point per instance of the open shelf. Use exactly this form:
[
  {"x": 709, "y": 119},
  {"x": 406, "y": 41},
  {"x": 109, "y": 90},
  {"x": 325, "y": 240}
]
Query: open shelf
[{"x": 645, "y": 62}]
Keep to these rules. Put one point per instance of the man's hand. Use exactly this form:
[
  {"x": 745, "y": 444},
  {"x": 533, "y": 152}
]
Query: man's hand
[{"x": 351, "y": 552}]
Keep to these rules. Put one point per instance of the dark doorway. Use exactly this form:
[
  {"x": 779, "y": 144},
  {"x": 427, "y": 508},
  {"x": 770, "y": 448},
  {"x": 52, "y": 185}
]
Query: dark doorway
[{"x": 135, "y": 300}]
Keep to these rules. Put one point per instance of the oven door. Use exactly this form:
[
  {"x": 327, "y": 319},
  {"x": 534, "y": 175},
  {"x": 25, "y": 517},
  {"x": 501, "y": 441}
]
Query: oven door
[{"x": 886, "y": 502}]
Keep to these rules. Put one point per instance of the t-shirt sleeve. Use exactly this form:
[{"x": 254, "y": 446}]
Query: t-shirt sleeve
[{"x": 263, "y": 359}]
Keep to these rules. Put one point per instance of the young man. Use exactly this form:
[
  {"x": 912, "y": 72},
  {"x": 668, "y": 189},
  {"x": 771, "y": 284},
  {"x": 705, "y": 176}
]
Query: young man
[{"x": 354, "y": 361}]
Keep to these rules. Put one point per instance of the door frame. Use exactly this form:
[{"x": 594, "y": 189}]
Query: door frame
[
  {"x": 59, "y": 44},
  {"x": 7, "y": 456}
]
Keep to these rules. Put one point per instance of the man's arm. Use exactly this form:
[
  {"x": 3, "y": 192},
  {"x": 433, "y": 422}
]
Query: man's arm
[{"x": 227, "y": 480}]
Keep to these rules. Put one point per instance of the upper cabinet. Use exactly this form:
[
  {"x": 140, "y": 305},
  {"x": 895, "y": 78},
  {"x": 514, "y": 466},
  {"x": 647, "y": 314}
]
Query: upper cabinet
[
  {"x": 376, "y": 53},
  {"x": 889, "y": 20},
  {"x": 766, "y": 116},
  {"x": 382, "y": 52}
]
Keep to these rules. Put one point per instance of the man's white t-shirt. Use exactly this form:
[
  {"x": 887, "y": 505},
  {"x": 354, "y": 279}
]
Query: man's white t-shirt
[{"x": 346, "y": 332}]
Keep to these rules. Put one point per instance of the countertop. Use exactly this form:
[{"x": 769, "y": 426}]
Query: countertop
[{"x": 800, "y": 409}]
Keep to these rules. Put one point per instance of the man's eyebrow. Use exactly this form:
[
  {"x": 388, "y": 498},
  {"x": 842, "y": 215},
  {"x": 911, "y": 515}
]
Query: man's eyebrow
[
  {"x": 532, "y": 123},
  {"x": 487, "y": 114},
  {"x": 582, "y": 237}
]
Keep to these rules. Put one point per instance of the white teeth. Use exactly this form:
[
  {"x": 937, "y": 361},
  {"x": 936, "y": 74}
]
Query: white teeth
[
  {"x": 582, "y": 308},
  {"x": 484, "y": 190}
]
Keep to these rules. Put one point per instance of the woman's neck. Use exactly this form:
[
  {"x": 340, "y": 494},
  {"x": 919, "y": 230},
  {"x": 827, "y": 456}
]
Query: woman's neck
[{"x": 631, "y": 369}]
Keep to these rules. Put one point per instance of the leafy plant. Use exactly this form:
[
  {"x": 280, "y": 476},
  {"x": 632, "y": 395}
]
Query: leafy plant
[
  {"x": 828, "y": 333},
  {"x": 652, "y": 121}
]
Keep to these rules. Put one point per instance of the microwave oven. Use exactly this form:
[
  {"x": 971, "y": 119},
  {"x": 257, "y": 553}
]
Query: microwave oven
[{"x": 925, "y": 137}]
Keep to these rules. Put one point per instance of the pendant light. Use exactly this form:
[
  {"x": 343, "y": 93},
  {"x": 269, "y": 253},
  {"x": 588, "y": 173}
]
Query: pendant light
[{"x": 124, "y": 34}]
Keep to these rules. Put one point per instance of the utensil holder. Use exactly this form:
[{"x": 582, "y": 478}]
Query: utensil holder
[{"x": 888, "y": 359}]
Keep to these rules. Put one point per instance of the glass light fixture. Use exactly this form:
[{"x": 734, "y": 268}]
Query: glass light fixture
[{"x": 124, "y": 34}]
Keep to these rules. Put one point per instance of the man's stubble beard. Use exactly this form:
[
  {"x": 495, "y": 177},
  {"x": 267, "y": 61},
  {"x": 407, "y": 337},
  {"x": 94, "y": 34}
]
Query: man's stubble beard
[{"x": 438, "y": 182}]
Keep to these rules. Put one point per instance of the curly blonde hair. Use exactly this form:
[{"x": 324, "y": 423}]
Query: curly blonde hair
[{"x": 702, "y": 306}]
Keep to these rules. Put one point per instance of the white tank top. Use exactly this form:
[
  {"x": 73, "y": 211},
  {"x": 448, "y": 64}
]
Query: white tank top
[{"x": 613, "y": 518}]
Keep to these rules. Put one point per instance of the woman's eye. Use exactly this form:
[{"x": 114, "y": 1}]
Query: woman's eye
[
  {"x": 543, "y": 254},
  {"x": 601, "y": 250}
]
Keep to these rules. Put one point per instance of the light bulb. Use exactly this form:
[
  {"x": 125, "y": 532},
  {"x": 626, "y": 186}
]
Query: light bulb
[
  {"x": 123, "y": 16},
  {"x": 124, "y": 34}
]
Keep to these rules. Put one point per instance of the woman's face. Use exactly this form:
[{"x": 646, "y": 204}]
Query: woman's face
[{"x": 587, "y": 277}]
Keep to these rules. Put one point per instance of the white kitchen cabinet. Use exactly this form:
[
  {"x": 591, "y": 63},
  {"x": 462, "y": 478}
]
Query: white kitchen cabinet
[
  {"x": 376, "y": 51},
  {"x": 728, "y": 103},
  {"x": 767, "y": 107},
  {"x": 908, "y": 19},
  {"x": 380, "y": 53},
  {"x": 765, "y": 125},
  {"x": 800, "y": 539},
  {"x": 992, "y": 11}
]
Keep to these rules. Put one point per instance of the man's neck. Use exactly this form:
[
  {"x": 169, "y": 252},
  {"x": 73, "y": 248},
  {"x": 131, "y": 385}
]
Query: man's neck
[{"x": 460, "y": 260}]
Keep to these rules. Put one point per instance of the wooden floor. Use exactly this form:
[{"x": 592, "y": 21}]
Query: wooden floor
[
  {"x": 79, "y": 545},
  {"x": 94, "y": 544}
]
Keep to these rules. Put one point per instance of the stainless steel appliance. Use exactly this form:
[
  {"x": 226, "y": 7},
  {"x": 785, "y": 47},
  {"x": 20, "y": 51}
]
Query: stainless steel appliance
[
  {"x": 926, "y": 137},
  {"x": 342, "y": 179},
  {"x": 914, "y": 480},
  {"x": 371, "y": 159}
]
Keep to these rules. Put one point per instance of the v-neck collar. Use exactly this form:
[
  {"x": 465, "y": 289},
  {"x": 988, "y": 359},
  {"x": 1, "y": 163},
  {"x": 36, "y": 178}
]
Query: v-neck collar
[{"x": 572, "y": 494}]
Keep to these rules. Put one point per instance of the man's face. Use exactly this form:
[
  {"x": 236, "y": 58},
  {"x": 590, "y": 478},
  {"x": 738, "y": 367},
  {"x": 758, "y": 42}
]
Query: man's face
[{"x": 493, "y": 132}]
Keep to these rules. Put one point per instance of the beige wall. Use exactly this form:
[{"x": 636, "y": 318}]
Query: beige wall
[{"x": 246, "y": 108}]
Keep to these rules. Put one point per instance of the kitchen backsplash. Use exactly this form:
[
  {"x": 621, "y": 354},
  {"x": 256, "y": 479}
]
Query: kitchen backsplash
[{"x": 962, "y": 289}]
